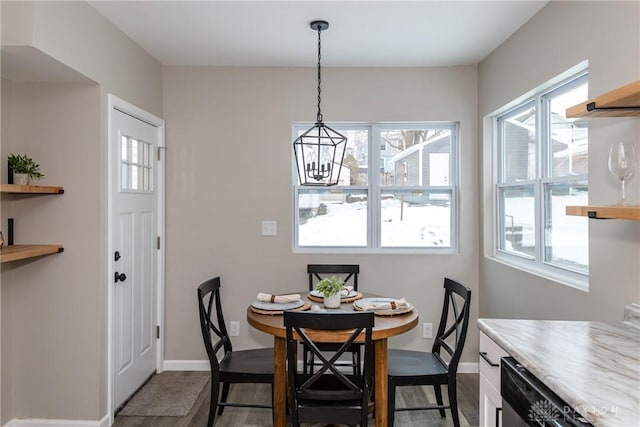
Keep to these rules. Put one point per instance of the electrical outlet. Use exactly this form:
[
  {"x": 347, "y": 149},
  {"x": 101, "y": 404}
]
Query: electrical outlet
[
  {"x": 234, "y": 329},
  {"x": 427, "y": 330},
  {"x": 269, "y": 228}
]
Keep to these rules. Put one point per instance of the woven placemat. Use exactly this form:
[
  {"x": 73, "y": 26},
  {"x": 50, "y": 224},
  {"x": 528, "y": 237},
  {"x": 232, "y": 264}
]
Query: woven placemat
[
  {"x": 303, "y": 307},
  {"x": 357, "y": 296},
  {"x": 404, "y": 310}
]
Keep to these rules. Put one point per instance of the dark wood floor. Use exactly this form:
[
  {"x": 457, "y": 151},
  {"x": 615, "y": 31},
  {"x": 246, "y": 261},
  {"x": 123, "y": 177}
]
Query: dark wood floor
[{"x": 251, "y": 417}]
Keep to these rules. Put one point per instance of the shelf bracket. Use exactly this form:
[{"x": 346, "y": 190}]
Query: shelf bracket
[
  {"x": 594, "y": 215},
  {"x": 591, "y": 106}
]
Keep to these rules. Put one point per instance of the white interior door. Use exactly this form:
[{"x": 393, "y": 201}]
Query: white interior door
[{"x": 134, "y": 234}]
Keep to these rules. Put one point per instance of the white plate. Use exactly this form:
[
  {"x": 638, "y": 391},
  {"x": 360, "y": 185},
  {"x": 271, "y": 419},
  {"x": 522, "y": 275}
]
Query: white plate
[
  {"x": 266, "y": 305},
  {"x": 318, "y": 294},
  {"x": 366, "y": 301}
]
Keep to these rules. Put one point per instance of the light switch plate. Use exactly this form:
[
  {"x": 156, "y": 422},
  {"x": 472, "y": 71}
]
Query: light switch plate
[
  {"x": 269, "y": 228},
  {"x": 234, "y": 329},
  {"x": 427, "y": 330}
]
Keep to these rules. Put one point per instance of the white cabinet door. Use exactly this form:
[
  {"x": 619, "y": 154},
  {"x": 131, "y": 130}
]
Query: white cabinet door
[
  {"x": 490, "y": 399},
  {"x": 490, "y": 404}
]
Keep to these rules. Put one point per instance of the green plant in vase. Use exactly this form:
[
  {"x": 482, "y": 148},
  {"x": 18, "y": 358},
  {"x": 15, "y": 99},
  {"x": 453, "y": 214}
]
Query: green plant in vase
[
  {"x": 330, "y": 287},
  {"x": 23, "y": 168}
]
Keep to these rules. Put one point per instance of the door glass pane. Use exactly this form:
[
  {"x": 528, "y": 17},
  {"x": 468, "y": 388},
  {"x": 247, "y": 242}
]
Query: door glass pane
[
  {"x": 134, "y": 177},
  {"x": 134, "y": 151},
  {"x": 566, "y": 237},
  {"x": 415, "y": 157},
  {"x": 124, "y": 176},
  {"x": 332, "y": 218},
  {"x": 518, "y": 220},
  {"x": 569, "y": 137},
  {"x": 124, "y": 148},
  {"x": 518, "y": 145},
  {"x": 417, "y": 219}
]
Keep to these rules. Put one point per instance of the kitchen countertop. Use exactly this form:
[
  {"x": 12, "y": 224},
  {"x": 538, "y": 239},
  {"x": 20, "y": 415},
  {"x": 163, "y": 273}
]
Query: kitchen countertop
[{"x": 593, "y": 366}]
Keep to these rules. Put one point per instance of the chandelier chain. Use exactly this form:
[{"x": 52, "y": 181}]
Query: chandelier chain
[{"x": 319, "y": 117}]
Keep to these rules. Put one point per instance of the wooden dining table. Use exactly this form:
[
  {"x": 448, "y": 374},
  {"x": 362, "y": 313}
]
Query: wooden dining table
[{"x": 385, "y": 327}]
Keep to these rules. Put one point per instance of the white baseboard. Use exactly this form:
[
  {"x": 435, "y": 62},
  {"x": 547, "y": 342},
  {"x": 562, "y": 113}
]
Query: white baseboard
[
  {"x": 468, "y": 368},
  {"x": 186, "y": 365},
  {"x": 40, "y": 422}
]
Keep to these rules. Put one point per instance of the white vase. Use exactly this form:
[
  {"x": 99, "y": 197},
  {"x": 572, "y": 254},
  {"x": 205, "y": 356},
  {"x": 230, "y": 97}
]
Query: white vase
[
  {"x": 21, "y": 178},
  {"x": 333, "y": 301}
]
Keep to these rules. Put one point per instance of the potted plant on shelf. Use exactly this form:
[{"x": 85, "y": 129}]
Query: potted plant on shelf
[
  {"x": 23, "y": 168},
  {"x": 330, "y": 288}
]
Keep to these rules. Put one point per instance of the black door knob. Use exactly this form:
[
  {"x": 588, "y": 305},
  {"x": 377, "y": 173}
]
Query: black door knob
[{"x": 120, "y": 276}]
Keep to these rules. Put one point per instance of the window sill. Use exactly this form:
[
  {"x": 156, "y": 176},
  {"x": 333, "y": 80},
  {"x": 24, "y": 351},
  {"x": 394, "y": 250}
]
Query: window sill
[
  {"x": 364, "y": 251},
  {"x": 573, "y": 280}
]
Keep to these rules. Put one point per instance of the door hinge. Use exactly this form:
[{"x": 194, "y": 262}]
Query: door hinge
[
  {"x": 158, "y": 242},
  {"x": 160, "y": 150},
  {"x": 157, "y": 331}
]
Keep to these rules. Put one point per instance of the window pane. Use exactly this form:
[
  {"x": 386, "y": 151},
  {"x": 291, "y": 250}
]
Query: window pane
[
  {"x": 415, "y": 157},
  {"x": 416, "y": 219},
  {"x": 332, "y": 218},
  {"x": 566, "y": 237},
  {"x": 570, "y": 151},
  {"x": 518, "y": 220},
  {"x": 518, "y": 145},
  {"x": 356, "y": 157}
]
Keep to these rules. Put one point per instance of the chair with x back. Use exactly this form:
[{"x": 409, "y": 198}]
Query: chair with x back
[
  {"x": 440, "y": 366},
  {"x": 349, "y": 274},
  {"x": 328, "y": 395},
  {"x": 244, "y": 366}
]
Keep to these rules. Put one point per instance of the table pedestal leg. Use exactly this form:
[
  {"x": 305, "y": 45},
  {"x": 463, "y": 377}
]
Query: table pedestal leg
[
  {"x": 279, "y": 382},
  {"x": 380, "y": 354}
]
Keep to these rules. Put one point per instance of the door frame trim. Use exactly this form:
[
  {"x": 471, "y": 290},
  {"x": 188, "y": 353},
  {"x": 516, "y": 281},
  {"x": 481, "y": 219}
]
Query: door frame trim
[{"x": 115, "y": 103}]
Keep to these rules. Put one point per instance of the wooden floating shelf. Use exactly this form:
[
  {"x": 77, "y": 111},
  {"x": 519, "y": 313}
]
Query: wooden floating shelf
[
  {"x": 606, "y": 212},
  {"x": 621, "y": 102},
  {"x": 30, "y": 189},
  {"x": 18, "y": 252}
]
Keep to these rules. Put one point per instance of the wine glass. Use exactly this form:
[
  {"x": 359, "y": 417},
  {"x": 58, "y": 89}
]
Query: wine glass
[{"x": 622, "y": 163}]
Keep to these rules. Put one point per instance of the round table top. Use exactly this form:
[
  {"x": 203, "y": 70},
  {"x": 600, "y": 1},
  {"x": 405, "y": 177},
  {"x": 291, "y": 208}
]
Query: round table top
[{"x": 385, "y": 326}]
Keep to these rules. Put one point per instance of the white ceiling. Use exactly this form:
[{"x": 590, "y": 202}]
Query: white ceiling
[{"x": 361, "y": 33}]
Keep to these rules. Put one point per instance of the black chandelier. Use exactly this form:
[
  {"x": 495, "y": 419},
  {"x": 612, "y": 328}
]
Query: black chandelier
[{"x": 320, "y": 150}]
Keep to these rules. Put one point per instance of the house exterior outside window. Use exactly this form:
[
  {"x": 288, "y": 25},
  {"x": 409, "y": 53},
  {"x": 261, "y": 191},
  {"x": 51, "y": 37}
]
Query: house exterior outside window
[
  {"x": 541, "y": 167},
  {"x": 409, "y": 205}
]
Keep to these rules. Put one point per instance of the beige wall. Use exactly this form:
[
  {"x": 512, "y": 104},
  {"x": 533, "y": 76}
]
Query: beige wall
[
  {"x": 52, "y": 303},
  {"x": 561, "y": 35},
  {"x": 54, "y": 310},
  {"x": 229, "y": 167}
]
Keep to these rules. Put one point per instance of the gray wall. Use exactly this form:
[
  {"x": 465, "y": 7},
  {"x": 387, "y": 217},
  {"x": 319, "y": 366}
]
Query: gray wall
[
  {"x": 561, "y": 35},
  {"x": 229, "y": 167},
  {"x": 54, "y": 310}
]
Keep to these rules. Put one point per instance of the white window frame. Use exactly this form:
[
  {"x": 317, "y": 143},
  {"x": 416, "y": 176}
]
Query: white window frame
[
  {"x": 374, "y": 189},
  {"x": 535, "y": 264}
]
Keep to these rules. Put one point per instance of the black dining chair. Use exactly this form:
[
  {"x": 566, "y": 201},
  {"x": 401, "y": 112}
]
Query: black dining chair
[
  {"x": 440, "y": 366},
  {"x": 244, "y": 366},
  {"x": 328, "y": 395},
  {"x": 349, "y": 274}
]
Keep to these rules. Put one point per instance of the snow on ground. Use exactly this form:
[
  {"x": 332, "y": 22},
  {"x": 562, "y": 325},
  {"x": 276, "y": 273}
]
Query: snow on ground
[{"x": 345, "y": 224}]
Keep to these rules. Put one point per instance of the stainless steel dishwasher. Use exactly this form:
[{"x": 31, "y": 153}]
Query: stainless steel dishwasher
[{"x": 526, "y": 401}]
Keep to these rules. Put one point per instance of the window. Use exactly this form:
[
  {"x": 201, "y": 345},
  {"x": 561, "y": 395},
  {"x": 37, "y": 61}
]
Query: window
[
  {"x": 541, "y": 168},
  {"x": 135, "y": 165},
  {"x": 408, "y": 205}
]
